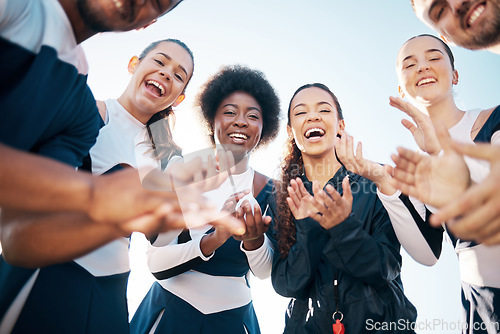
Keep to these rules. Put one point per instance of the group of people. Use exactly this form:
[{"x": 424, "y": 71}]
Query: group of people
[{"x": 328, "y": 232}]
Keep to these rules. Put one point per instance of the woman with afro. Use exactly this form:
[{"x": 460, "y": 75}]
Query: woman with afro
[{"x": 202, "y": 276}]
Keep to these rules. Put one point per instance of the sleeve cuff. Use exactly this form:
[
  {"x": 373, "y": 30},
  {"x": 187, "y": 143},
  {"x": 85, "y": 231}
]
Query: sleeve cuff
[
  {"x": 392, "y": 197},
  {"x": 200, "y": 253}
]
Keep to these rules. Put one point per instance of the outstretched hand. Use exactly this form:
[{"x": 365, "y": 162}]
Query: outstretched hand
[
  {"x": 327, "y": 206},
  {"x": 476, "y": 213},
  {"x": 299, "y": 199},
  {"x": 356, "y": 163},
  {"x": 434, "y": 180},
  {"x": 422, "y": 131}
]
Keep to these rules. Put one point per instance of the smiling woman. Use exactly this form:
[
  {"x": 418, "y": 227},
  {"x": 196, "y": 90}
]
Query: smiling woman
[
  {"x": 202, "y": 276},
  {"x": 338, "y": 255},
  {"x": 426, "y": 75}
]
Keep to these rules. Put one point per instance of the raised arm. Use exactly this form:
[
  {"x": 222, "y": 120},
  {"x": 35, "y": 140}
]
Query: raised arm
[{"x": 408, "y": 218}]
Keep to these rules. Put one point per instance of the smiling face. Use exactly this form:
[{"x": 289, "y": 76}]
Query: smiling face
[
  {"x": 122, "y": 15},
  {"x": 158, "y": 79},
  {"x": 314, "y": 122},
  {"x": 425, "y": 71},
  {"x": 238, "y": 123},
  {"x": 473, "y": 24}
]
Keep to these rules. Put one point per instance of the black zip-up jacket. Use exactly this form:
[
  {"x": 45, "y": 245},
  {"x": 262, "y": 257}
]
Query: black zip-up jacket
[{"x": 362, "y": 253}]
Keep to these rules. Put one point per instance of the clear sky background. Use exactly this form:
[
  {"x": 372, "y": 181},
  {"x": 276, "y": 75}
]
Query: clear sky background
[{"x": 350, "y": 46}]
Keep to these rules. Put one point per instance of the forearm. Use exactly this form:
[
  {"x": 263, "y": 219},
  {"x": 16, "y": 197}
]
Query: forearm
[
  {"x": 41, "y": 239},
  {"x": 168, "y": 261},
  {"x": 260, "y": 259},
  {"x": 30, "y": 182},
  {"x": 410, "y": 223}
]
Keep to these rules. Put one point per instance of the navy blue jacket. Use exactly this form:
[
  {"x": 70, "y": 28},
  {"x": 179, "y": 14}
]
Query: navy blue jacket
[{"x": 362, "y": 253}]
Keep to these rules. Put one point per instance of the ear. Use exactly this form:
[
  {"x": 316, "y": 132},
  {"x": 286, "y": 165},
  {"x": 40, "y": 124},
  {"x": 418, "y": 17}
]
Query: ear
[
  {"x": 446, "y": 40},
  {"x": 179, "y": 99},
  {"x": 340, "y": 126},
  {"x": 132, "y": 64},
  {"x": 401, "y": 93},
  {"x": 455, "y": 77}
]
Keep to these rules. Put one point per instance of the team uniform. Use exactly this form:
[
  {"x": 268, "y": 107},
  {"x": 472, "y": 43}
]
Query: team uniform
[
  {"x": 479, "y": 269},
  {"x": 361, "y": 254},
  {"x": 198, "y": 294},
  {"x": 87, "y": 295},
  {"x": 47, "y": 108}
]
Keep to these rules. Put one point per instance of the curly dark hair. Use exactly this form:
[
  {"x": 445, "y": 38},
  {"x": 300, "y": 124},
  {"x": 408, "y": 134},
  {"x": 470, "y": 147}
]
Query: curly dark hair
[
  {"x": 230, "y": 79},
  {"x": 291, "y": 167}
]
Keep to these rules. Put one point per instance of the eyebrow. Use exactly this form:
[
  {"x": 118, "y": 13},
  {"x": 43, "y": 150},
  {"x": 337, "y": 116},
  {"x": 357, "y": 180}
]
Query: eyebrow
[
  {"x": 427, "y": 51},
  {"x": 170, "y": 58},
  {"x": 236, "y": 106},
  {"x": 317, "y": 104}
]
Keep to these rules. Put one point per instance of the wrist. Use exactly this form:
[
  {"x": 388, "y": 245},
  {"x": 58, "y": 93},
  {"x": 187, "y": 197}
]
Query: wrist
[
  {"x": 209, "y": 243},
  {"x": 253, "y": 243}
]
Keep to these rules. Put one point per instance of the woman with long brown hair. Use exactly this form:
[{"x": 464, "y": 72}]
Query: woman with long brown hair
[{"x": 338, "y": 255}]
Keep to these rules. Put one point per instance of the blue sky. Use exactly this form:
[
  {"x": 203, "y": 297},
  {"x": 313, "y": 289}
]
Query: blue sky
[{"x": 350, "y": 46}]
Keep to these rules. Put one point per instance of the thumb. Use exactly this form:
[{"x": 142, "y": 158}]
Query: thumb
[
  {"x": 347, "y": 189},
  {"x": 443, "y": 136}
]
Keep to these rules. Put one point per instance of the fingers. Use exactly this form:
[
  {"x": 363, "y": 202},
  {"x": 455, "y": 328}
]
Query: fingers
[
  {"x": 317, "y": 191},
  {"x": 402, "y": 105},
  {"x": 302, "y": 188},
  {"x": 480, "y": 151},
  {"x": 494, "y": 238},
  {"x": 225, "y": 159},
  {"x": 410, "y": 126},
  {"x": 409, "y": 155},
  {"x": 359, "y": 154},
  {"x": 479, "y": 224},
  {"x": 404, "y": 171},
  {"x": 293, "y": 208},
  {"x": 163, "y": 219},
  {"x": 233, "y": 225},
  {"x": 407, "y": 108},
  {"x": 347, "y": 190},
  {"x": 350, "y": 151},
  {"x": 340, "y": 148},
  {"x": 294, "y": 196},
  {"x": 472, "y": 198},
  {"x": 344, "y": 147}
]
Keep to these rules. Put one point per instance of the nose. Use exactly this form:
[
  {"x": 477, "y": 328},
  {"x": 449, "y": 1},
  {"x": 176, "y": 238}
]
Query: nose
[
  {"x": 313, "y": 116},
  {"x": 459, "y": 7},
  {"x": 166, "y": 73},
  {"x": 423, "y": 67},
  {"x": 240, "y": 121}
]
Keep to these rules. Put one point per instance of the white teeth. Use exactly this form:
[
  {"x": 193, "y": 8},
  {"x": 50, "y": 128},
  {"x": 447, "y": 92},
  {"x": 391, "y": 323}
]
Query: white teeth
[
  {"x": 238, "y": 135},
  {"x": 426, "y": 81},
  {"x": 157, "y": 85},
  {"x": 476, "y": 14},
  {"x": 310, "y": 131}
]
